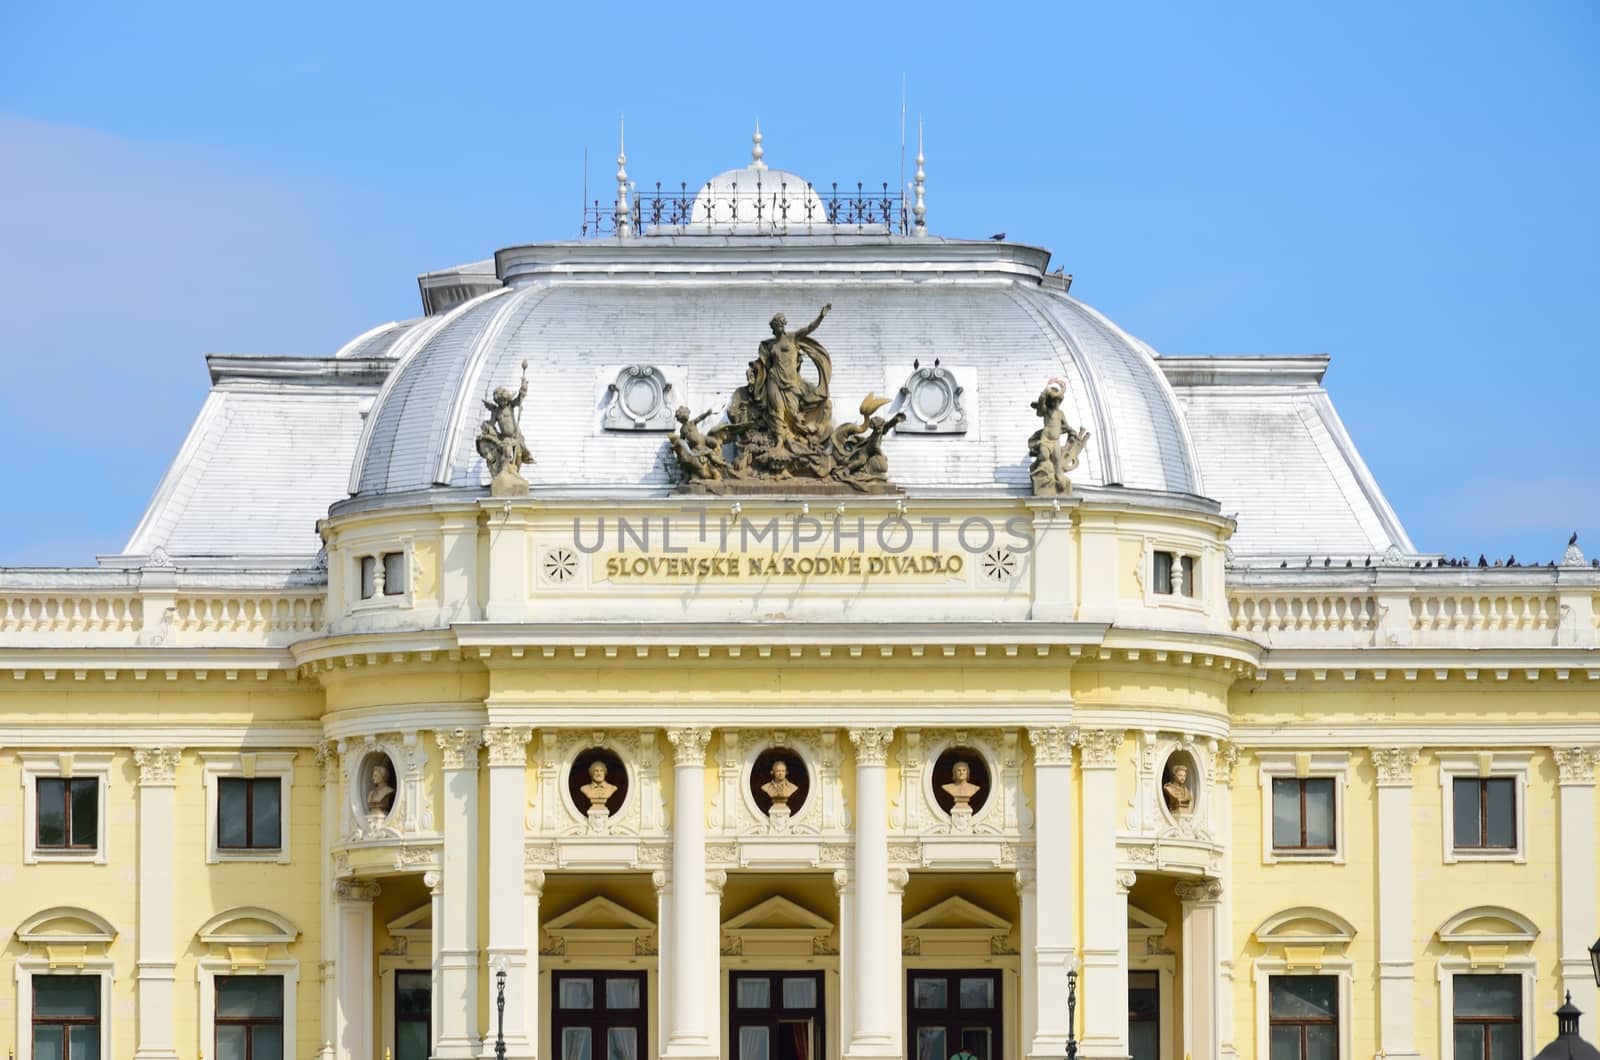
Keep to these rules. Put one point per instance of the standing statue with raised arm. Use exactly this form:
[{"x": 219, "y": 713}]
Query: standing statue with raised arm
[
  {"x": 500, "y": 441},
  {"x": 797, "y": 409}
]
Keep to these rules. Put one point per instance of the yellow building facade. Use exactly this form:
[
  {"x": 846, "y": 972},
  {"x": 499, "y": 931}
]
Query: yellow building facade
[{"x": 763, "y": 766}]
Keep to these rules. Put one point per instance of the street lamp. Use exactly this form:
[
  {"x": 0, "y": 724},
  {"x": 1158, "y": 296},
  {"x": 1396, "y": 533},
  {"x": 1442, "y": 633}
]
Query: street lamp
[
  {"x": 499, "y": 965},
  {"x": 1072, "y": 1007},
  {"x": 1594, "y": 959}
]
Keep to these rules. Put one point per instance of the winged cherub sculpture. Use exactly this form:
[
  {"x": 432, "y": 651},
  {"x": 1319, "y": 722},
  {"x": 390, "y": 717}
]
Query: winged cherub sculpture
[{"x": 500, "y": 441}]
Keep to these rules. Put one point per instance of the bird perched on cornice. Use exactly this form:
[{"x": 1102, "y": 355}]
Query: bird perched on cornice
[
  {"x": 1573, "y": 540},
  {"x": 998, "y": 236},
  {"x": 1483, "y": 561}
]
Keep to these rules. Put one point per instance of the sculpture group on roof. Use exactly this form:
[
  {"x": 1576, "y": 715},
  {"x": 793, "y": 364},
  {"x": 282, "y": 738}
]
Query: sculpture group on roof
[{"x": 780, "y": 427}]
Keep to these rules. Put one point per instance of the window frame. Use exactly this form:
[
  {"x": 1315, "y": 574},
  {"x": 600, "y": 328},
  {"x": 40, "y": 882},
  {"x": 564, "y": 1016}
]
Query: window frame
[
  {"x": 1484, "y": 765},
  {"x": 28, "y": 967},
  {"x": 381, "y": 596},
  {"x": 1263, "y": 969},
  {"x": 248, "y": 765},
  {"x": 1192, "y": 597},
  {"x": 602, "y": 1019},
  {"x": 1306, "y": 1022},
  {"x": 249, "y": 814},
  {"x": 1483, "y": 786},
  {"x": 64, "y": 765},
  {"x": 1303, "y": 765},
  {"x": 210, "y": 969},
  {"x": 219, "y": 1022},
  {"x": 772, "y": 1016},
  {"x": 65, "y": 1022},
  {"x": 1450, "y": 966}
]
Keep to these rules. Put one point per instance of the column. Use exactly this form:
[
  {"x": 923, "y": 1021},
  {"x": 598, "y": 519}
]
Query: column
[
  {"x": 1224, "y": 757},
  {"x": 847, "y": 947},
  {"x": 532, "y": 892},
  {"x": 710, "y": 985},
  {"x": 1049, "y": 927},
  {"x": 877, "y": 964},
  {"x": 328, "y": 759},
  {"x": 508, "y": 794},
  {"x": 157, "y": 910},
  {"x": 352, "y": 1025},
  {"x": 434, "y": 882},
  {"x": 1396, "y": 970},
  {"x": 686, "y": 1031},
  {"x": 1201, "y": 900},
  {"x": 1105, "y": 904},
  {"x": 1579, "y": 884},
  {"x": 456, "y": 927}
]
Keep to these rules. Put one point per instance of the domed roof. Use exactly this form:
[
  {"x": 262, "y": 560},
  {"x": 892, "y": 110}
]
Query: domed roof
[
  {"x": 756, "y": 198},
  {"x": 695, "y": 308}
]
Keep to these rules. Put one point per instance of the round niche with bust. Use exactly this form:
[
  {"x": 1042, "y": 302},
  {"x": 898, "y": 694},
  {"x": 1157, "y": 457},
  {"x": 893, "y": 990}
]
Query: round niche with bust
[
  {"x": 377, "y": 784},
  {"x": 779, "y": 777},
  {"x": 961, "y": 778},
  {"x": 1180, "y": 784},
  {"x": 598, "y": 780}
]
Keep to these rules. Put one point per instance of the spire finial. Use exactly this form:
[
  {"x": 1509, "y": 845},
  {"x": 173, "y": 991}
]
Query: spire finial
[
  {"x": 756, "y": 150},
  {"x": 621, "y": 215},
  {"x": 920, "y": 210}
]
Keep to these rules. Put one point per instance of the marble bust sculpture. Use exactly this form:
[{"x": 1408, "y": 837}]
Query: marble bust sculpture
[
  {"x": 380, "y": 795},
  {"x": 598, "y": 790},
  {"x": 780, "y": 787},
  {"x": 1176, "y": 790},
  {"x": 961, "y": 788}
]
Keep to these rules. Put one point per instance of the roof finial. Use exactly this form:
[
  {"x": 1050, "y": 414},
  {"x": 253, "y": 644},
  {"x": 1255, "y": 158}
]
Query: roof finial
[
  {"x": 920, "y": 210},
  {"x": 756, "y": 151},
  {"x": 621, "y": 216}
]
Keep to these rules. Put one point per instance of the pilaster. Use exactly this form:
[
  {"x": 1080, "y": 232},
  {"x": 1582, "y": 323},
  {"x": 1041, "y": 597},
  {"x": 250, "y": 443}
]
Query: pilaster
[
  {"x": 532, "y": 894},
  {"x": 877, "y": 961},
  {"x": 1580, "y": 881},
  {"x": 456, "y": 928},
  {"x": 1224, "y": 757},
  {"x": 353, "y": 924},
  {"x": 1048, "y": 925},
  {"x": 157, "y": 953},
  {"x": 689, "y": 940},
  {"x": 1201, "y": 903},
  {"x": 1397, "y": 972},
  {"x": 508, "y": 765},
  {"x": 328, "y": 759},
  {"x": 1105, "y": 903}
]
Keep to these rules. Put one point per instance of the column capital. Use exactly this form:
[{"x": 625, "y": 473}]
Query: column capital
[
  {"x": 457, "y": 749},
  {"x": 872, "y": 745},
  {"x": 533, "y": 881},
  {"x": 356, "y": 890},
  {"x": 1394, "y": 764},
  {"x": 1576, "y": 765},
  {"x": 716, "y": 880},
  {"x": 507, "y": 744},
  {"x": 1026, "y": 881},
  {"x": 898, "y": 879},
  {"x": 432, "y": 880},
  {"x": 158, "y": 766},
  {"x": 689, "y": 745},
  {"x": 1127, "y": 878},
  {"x": 1052, "y": 745},
  {"x": 1199, "y": 892},
  {"x": 1224, "y": 757},
  {"x": 659, "y": 880},
  {"x": 841, "y": 880},
  {"x": 1099, "y": 747}
]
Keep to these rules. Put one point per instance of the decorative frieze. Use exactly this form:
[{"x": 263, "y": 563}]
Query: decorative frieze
[
  {"x": 507, "y": 744},
  {"x": 1099, "y": 747},
  {"x": 1394, "y": 764},
  {"x": 454, "y": 746},
  {"x": 689, "y": 745},
  {"x": 157, "y": 765},
  {"x": 1576, "y": 765},
  {"x": 1052, "y": 746},
  {"x": 872, "y": 745}
]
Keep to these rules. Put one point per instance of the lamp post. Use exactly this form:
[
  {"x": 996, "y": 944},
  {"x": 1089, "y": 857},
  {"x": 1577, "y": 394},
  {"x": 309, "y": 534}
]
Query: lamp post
[
  {"x": 1594, "y": 959},
  {"x": 499, "y": 965},
  {"x": 1072, "y": 1008}
]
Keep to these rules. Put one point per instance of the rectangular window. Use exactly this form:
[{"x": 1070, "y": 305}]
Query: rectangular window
[
  {"x": 1303, "y": 1013},
  {"x": 249, "y": 813},
  {"x": 369, "y": 577},
  {"x": 954, "y": 1012},
  {"x": 1488, "y": 1017},
  {"x": 68, "y": 813},
  {"x": 394, "y": 574},
  {"x": 66, "y": 1017},
  {"x": 1144, "y": 1015},
  {"x": 413, "y": 1007},
  {"x": 776, "y": 1016},
  {"x": 249, "y": 1017},
  {"x": 1303, "y": 814},
  {"x": 1485, "y": 813},
  {"x": 598, "y": 1015},
  {"x": 1163, "y": 573}
]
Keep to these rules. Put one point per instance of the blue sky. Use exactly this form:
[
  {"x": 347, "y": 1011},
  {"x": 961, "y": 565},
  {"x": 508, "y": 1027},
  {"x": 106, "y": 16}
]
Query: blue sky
[{"x": 1409, "y": 187}]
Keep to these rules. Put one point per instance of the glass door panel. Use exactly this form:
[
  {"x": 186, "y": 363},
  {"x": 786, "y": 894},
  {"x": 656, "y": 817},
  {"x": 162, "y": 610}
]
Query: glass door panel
[{"x": 954, "y": 1015}]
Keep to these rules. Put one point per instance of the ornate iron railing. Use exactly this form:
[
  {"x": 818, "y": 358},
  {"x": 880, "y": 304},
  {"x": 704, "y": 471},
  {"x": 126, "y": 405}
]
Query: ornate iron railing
[{"x": 778, "y": 209}]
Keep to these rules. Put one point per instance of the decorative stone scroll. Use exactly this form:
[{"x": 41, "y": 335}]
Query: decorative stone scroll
[
  {"x": 356, "y": 890},
  {"x": 638, "y": 400},
  {"x": 780, "y": 428},
  {"x": 932, "y": 398},
  {"x": 1199, "y": 891}
]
